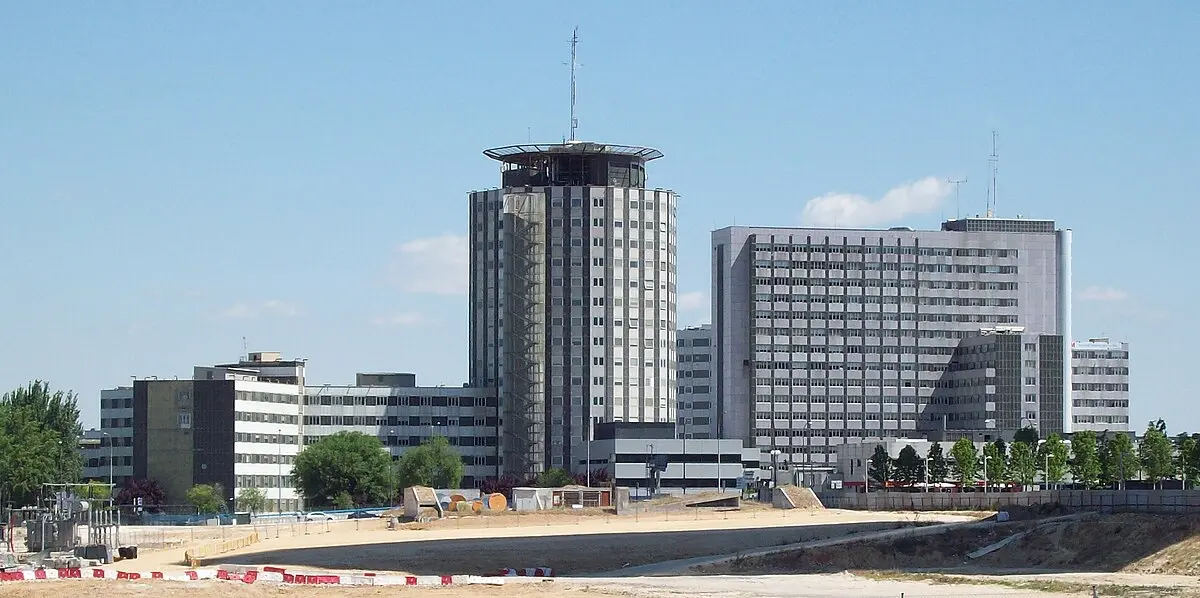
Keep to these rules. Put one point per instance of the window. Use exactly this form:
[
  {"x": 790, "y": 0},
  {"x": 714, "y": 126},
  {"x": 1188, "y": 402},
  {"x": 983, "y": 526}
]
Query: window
[{"x": 185, "y": 420}]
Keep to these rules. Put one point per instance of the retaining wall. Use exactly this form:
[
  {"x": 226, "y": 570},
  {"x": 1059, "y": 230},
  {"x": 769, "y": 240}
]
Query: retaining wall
[{"x": 1141, "y": 501}]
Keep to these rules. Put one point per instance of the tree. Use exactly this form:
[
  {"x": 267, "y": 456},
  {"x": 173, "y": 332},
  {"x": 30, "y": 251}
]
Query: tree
[
  {"x": 554, "y": 478},
  {"x": 1121, "y": 459},
  {"x": 1022, "y": 463},
  {"x": 995, "y": 462},
  {"x": 966, "y": 461},
  {"x": 39, "y": 441},
  {"x": 938, "y": 470},
  {"x": 94, "y": 489},
  {"x": 1052, "y": 459},
  {"x": 909, "y": 466},
  {"x": 1185, "y": 463},
  {"x": 1155, "y": 453},
  {"x": 1085, "y": 462},
  {"x": 251, "y": 499},
  {"x": 148, "y": 490},
  {"x": 350, "y": 462},
  {"x": 435, "y": 463},
  {"x": 209, "y": 499},
  {"x": 599, "y": 477},
  {"x": 880, "y": 466},
  {"x": 1028, "y": 435}
]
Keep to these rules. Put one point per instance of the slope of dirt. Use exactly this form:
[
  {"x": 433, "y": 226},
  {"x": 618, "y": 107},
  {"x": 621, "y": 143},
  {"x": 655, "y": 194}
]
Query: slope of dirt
[
  {"x": 1127, "y": 542},
  {"x": 1130, "y": 542},
  {"x": 947, "y": 549},
  {"x": 800, "y": 498}
]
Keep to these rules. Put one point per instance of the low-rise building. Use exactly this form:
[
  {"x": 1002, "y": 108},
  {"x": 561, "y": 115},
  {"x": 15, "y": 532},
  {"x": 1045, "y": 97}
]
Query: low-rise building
[
  {"x": 403, "y": 415},
  {"x": 1100, "y": 386},
  {"x": 645, "y": 455}
]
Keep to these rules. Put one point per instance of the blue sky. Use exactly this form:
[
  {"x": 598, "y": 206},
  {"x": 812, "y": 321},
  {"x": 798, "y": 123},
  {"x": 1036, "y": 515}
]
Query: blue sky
[{"x": 175, "y": 177}]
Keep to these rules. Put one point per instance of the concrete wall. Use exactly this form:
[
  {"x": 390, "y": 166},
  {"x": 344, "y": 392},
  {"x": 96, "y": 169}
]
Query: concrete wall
[{"x": 1145, "y": 501}]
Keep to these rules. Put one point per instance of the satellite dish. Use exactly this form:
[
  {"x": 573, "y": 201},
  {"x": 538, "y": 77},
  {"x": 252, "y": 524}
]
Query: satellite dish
[{"x": 82, "y": 505}]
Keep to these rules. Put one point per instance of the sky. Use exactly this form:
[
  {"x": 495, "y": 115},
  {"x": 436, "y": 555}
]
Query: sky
[{"x": 182, "y": 181}]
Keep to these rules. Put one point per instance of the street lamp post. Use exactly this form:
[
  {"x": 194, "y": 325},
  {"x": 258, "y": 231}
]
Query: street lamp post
[
  {"x": 110, "y": 461},
  {"x": 279, "y": 471},
  {"x": 927, "y": 474},
  {"x": 774, "y": 467},
  {"x": 1046, "y": 475},
  {"x": 985, "y": 480}
]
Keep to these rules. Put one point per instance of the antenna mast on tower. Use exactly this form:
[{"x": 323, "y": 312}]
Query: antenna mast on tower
[
  {"x": 957, "y": 184},
  {"x": 993, "y": 162},
  {"x": 574, "y": 121}
]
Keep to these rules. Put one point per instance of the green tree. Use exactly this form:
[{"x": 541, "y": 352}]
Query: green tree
[
  {"x": 1022, "y": 463},
  {"x": 966, "y": 461},
  {"x": 1052, "y": 459},
  {"x": 39, "y": 441},
  {"x": 909, "y": 466},
  {"x": 94, "y": 490},
  {"x": 435, "y": 463},
  {"x": 1185, "y": 462},
  {"x": 1121, "y": 460},
  {"x": 1155, "y": 454},
  {"x": 350, "y": 462},
  {"x": 554, "y": 478},
  {"x": 881, "y": 467},
  {"x": 253, "y": 500},
  {"x": 209, "y": 499},
  {"x": 995, "y": 462},
  {"x": 938, "y": 469},
  {"x": 1085, "y": 461},
  {"x": 1028, "y": 435}
]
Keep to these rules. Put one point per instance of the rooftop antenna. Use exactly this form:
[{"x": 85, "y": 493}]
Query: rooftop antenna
[
  {"x": 574, "y": 43},
  {"x": 245, "y": 347},
  {"x": 993, "y": 162},
  {"x": 957, "y": 184}
]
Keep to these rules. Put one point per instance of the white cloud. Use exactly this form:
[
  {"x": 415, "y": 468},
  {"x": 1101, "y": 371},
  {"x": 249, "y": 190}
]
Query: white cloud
[
  {"x": 693, "y": 301},
  {"x": 435, "y": 265},
  {"x": 1098, "y": 293},
  {"x": 850, "y": 210},
  {"x": 270, "y": 307},
  {"x": 410, "y": 318}
]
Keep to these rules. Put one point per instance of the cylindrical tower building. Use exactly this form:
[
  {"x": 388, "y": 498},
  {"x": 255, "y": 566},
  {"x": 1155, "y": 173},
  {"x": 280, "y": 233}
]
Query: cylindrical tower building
[{"x": 572, "y": 299}]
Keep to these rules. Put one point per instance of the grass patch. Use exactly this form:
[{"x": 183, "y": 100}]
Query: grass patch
[{"x": 1037, "y": 585}]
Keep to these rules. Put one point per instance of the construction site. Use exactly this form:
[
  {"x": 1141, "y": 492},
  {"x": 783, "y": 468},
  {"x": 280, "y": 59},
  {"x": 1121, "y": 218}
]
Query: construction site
[{"x": 700, "y": 545}]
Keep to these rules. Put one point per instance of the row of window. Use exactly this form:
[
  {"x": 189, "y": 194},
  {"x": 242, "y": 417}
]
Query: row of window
[
  {"x": 266, "y": 397},
  {"x": 878, "y": 299},
  {"x": 840, "y": 416},
  {"x": 255, "y": 416},
  {"x": 1101, "y": 386},
  {"x": 1106, "y": 403},
  {"x": 1100, "y": 419},
  {"x": 834, "y": 332},
  {"x": 1101, "y": 371},
  {"x": 695, "y": 357},
  {"x": 837, "y": 382},
  {"x": 693, "y": 405},
  {"x": 882, "y": 249},
  {"x": 264, "y": 458},
  {"x": 1081, "y": 354},
  {"x": 699, "y": 390},
  {"x": 893, "y": 267},
  {"x": 412, "y": 420},
  {"x": 398, "y": 401},
  {"x": 116, "y": 403},
  {"x": 695, "y": 342},
  {"x": 264, "y": 438},
  {"x": 126, "y": 461},
  {"x": 890, "y": 283}
]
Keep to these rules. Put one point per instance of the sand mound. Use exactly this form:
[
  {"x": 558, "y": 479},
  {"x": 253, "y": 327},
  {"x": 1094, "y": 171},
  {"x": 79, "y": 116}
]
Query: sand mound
[{"x": 795, "y": 497}]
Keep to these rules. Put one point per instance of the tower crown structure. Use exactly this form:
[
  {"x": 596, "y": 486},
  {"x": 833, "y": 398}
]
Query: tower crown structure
[{"x": 573, "y": 164}]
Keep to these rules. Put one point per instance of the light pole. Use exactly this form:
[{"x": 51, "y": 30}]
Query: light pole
[
  {"x": 589, "y": 451},
  {"x": 927, "y": 474},
  {"x": 774, "y": 467},
  {"x": 110, "y": 462},
  {"x": 279, "y": 471},
  {"x": 1046, "y": 475},
  {"x": 985, "y": 480}
]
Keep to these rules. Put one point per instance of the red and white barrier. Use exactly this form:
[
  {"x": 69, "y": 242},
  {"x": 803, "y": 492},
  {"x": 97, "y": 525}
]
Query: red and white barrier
[
  {"x": 93, "y": 573},
  {"x": 528, "y": 572},
  {"x": 273, "y": 575}
]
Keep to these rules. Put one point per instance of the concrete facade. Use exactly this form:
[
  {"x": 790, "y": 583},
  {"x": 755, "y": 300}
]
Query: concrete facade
[
  {"x": 626, "y": 450},
  {"x": 405, "y": 416},
  {"x": 1100, "y": 385},
  {"x": 825, "y": 336},
  {"x": 572, "y": 297},
  {"x": 695, "y": 400},
  {"x": 116, "y": 438}
]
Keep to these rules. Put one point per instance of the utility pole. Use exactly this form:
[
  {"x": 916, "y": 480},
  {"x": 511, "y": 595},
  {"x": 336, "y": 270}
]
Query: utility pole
[
  {"x": 957, "y": 203},
  {"x": 279, "y": 471}
]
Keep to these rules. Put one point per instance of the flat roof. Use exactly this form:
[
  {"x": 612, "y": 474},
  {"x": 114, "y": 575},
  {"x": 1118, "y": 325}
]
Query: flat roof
[{"x": 510, "y": 152}]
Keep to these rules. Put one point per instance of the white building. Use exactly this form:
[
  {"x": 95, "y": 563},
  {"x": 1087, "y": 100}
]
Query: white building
[
  {"x": 1100, "y": 385},
  {"x": 572, "y": 297},
  {"x": 628, "y": 452},
  {"x": 695, "y": 399},
  {"x": 115, "y": 437},
  {"x": 403, "y": 415}
]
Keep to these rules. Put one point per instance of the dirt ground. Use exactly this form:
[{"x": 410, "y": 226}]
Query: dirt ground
[
  {"x": 583, "y": 545},
  {"x": 807, "y": 586},
  {"x": 1159, "y": 551}
]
